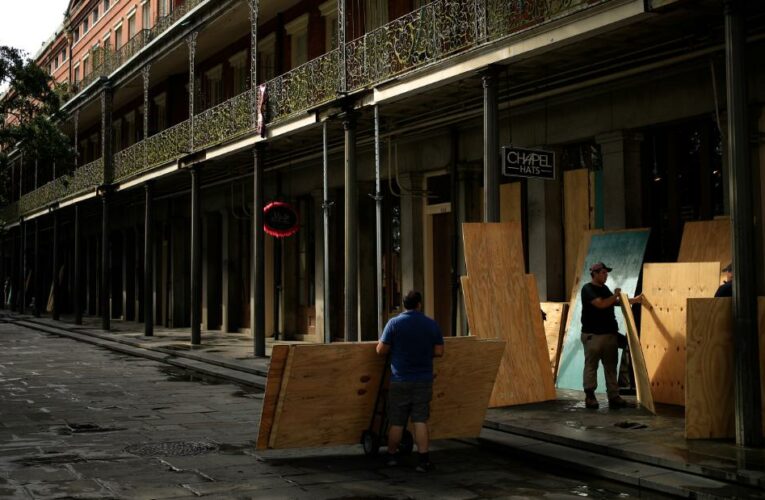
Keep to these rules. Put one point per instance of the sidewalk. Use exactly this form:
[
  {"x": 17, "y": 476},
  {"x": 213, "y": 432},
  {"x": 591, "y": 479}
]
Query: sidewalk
[{"x": 628, "y": 445}]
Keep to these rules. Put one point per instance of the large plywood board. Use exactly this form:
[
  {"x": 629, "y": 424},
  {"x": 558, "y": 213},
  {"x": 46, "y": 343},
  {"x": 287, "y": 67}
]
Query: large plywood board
[
  {"x": 623, "y": 251},
  {"x": 666, "y": 288},
  {"x": 582, "y": 251},
  {"x": 501, "y": 309},
  {"x": 642, "y": 382},
  {"x": 279, "y": 354},
  {"x": 510, "y": 202},
  {"x": 709, "y": 369},
  {"x": 576, "y": 218},
  {"x": 706, "y": 241},
  {"x": 555, "y": 324},
  {"x": 313, "y": 409},
  {"x": 462, "y": 384}
]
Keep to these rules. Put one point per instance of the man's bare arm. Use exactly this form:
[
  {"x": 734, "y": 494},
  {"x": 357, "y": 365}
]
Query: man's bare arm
[
  {"x": 383, "y": 348},
  {"x": 438, "y": 350}
]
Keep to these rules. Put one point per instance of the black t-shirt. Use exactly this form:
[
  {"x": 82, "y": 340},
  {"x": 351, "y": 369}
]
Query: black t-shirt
[
  {"x": 595, "y": 320},
  {"x": 725, "y": 290}
]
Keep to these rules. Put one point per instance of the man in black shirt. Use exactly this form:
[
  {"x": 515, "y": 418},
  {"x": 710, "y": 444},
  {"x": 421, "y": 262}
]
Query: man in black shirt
[
  {"x": 726, "y": 289},
  {"x": 600, "y": 336}
]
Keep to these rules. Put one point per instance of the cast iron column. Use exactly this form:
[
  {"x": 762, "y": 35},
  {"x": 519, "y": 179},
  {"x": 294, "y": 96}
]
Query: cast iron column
[
  {"x": 325, "y": 206},
  {"x": 56, "y": 295},
  {"x": 258, "y": 272},
  {"x": 341, "y": 36},
  {"x": 196, "y": 260},
  {"x": 378, "y": 226},
  {"x": 148, "y": 267},
  {"x": 77, "y": 258},
  {"x": 351, "y": 231},
  {"x": 36, "y": 278},
  {"x": 24, "y": 267},
  {"x": 490, "y": 147},
  {"x": 747, "y": 387},
  {"x": 105, "y": 261}
]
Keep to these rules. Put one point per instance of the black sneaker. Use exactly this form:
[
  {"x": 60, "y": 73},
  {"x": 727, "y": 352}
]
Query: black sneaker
[
  {"x": 617, "y": 403},
  {"x": 424, "y": 467}
]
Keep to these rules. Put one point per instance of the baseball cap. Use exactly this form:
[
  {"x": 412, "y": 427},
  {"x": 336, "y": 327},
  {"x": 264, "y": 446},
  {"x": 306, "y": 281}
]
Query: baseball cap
[
  {"x": 599, "y": 267},
  {"x": 728, "y": 268}
]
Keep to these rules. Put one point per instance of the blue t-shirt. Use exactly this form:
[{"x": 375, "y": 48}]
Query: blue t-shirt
[{"x": 411, "y": 336}]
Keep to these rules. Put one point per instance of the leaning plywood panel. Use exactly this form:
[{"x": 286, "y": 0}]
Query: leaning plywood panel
[
  {"x": 623, "y": 251},
  {"x": 327, "y": 395},
  {"x": 643, "y": 383},
  {"x": 501, "y": 309},
  {"x": 576, "y": 218},
  {"x": 279, "y": 355},
  {"x": 555, "y": 322},
  {"x": 581, "y": 257},
  {"x": 462, "y": 385},
  {"x": 536, "y": 314},
  {"x": 706, "y": 241},
  {"x": 467, "y": 295},
  {"x": 709, "y": 369},
  {"x": 666, "y": 288}
]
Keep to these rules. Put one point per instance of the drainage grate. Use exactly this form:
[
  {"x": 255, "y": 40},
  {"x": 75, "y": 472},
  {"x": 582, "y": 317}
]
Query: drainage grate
[{"x": 171, "y": 449}]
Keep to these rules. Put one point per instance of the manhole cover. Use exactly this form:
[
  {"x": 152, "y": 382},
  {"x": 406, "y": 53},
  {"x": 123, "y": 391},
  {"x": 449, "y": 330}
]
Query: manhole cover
[{"x": 171, "y": 449}]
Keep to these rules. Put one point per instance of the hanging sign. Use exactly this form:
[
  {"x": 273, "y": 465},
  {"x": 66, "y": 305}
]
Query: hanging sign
[
  {"x": 280, "y": 219},
  {"x": 535, "y": 163}
]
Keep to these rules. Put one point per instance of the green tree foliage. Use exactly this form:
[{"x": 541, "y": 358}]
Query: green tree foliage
[{"x": 30, "y": 112}]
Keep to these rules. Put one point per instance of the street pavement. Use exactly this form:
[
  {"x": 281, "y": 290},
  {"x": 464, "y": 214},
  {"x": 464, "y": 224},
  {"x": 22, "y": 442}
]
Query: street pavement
[{"x": 80, "y": 421}]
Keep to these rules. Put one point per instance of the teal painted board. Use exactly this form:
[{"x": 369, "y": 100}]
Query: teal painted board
[{"x": 623, "y": 251}]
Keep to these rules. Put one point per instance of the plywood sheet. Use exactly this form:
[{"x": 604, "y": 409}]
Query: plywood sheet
[
  {"x": 536, "y": 313},
  {"x": 709, "y": 369},
  {"x": 706, "y": 241},
  {"x": 576, "y": 217},
  {"x": 313, "y": 409},
  {"x": 666, "y": 288},
  {"x": 467, "y": 294},
  {"x": 584, "y": 248},
  {"x": 279, "y": 355},
  {"x": 555, "y": 324},
  {"x": 464, "y": 380},
  {"x": 501, "y": 309},
  {"x": 623, "y": 251},
  {"x": 643, "y": 383},
  {"x": 510, "y": 202}
]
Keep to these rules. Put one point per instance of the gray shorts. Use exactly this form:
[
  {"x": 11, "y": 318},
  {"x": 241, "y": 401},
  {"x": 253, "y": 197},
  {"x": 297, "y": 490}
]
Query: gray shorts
[{"x": 409, "y": 400}]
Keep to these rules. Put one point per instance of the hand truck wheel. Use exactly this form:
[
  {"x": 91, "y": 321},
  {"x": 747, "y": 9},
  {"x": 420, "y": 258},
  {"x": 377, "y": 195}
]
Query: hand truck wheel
[{"x": 370, "y": 442}]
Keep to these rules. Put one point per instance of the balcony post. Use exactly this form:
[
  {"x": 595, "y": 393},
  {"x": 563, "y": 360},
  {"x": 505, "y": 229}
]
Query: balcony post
[
  {"x": 148, "y": 265},
  {"x": 747, "y": 381},
  {"x": 341, "y": 25},
  {"x": 378, "y": 226},
  {"x": 24, "y": 265},
  {"x": 490, "y": 147},
  {"x": 76, "y": 138},
  {"x": 56, "y": 289},
  {"x": 254, "y": 15},
  {"x": 196, "y": 259},
  {"x": 351, "y": 230},
  {"x": 145, "y": 72},
  {"x": 191, "y": 42},
  {"x": 77, "y": 271},
  {"x": 36, "y": 278},
  {"x": 106, "y": 134},
  {"x": 326, "y": 205},
  {"x": 258, "y": 271},
  {"x": 105, "y": 260}
]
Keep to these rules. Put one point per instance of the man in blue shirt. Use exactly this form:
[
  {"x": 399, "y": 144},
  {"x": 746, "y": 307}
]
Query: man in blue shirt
[{"x": 413, "y": 340}]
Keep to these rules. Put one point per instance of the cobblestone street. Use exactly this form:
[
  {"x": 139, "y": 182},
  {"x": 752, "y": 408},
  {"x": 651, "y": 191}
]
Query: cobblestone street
[{"x": 78, "y": 421}]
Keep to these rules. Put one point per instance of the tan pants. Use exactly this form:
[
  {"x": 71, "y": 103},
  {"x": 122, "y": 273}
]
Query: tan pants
[{"x": 605, "y": 349}]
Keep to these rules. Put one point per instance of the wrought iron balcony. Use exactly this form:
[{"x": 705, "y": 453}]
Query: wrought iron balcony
[
  {"x": 86, "y": 178},
  {"x": 83, "y": 179},
  {"x": 165, "y": 146},
  {"x": 43, "y": 196},
  {"x": 307, "y": 86},
  {"x": 130, "y": 160},
  {"x": 224, "y": 121}
]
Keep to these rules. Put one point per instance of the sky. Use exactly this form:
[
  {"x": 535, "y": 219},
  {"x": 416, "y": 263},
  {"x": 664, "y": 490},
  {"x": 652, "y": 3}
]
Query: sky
[{"x": 27, "y": 24}]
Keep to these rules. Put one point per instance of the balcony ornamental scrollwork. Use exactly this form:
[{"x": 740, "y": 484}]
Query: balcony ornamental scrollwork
[
  {"x": 305, "y": 87},
  {"x": 505, "y": 17},
  {"x": 425, "y": 35},
  {"x": 86, "y": 177},
  {"x": 43, "y": 196},
  {"x": 168, "y": 145},
  {"x": 224, "y": 121},
  {"x": 129, "y": 160}
]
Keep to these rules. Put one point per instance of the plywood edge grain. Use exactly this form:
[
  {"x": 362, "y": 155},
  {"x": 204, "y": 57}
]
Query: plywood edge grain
[
  {"x": 279, "y": 355},
  {"x": 286, "y": 374},
  {"x": 644, "y": 395}
]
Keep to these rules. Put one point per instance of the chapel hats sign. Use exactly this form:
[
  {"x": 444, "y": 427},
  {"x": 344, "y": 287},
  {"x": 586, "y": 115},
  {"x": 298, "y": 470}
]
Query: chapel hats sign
[
  {"x": 534, "y": 163},
  {"x": 280, "y": 219}
]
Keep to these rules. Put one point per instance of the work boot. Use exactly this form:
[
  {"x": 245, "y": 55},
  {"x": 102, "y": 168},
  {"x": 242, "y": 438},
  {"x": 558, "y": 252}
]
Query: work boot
[
  {"x": 590, "y": 401},
  {"x": 616, "y": 403}
]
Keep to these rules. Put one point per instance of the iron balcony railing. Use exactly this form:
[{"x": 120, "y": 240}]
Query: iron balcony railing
[
  {"x": 421, "y": 38},
  {"x": 9, "y": 213}
]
